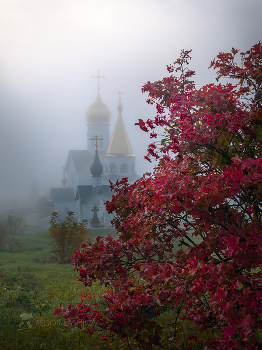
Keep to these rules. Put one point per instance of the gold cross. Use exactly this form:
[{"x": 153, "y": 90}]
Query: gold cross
[
  {"x": 98, "y": 76},
  {"x": 120, "y": 93},
  {"x": 95, "y": 139}
]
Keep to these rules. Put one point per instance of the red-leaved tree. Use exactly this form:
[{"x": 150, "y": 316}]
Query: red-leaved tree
[{"x": 206, "y": 196}]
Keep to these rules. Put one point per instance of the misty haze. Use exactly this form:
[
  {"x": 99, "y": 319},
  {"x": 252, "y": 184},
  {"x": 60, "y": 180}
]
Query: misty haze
[
  {"x": 71, "y": 74},
  {"x": 51, "y": 50}
]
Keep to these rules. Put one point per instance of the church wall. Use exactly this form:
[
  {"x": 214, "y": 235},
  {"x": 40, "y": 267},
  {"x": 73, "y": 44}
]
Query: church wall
[
  {"x": 80, "y": 210},
  {"x": 71, "y": 175},
  {"x": 63, "y": 207},
  {"x": 102, "y": 131},
  {"x": 120, "y": 165},
  {"x": 84, "y": 176},
  {"x": 98, "y": 201}
]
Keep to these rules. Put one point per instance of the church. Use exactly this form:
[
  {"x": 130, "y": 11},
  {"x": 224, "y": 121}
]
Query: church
[{"x": 86, "y": 175}]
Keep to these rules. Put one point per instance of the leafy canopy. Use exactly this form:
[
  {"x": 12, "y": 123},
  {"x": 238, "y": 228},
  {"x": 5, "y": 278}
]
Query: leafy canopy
[{"x": 205, "y": 196}]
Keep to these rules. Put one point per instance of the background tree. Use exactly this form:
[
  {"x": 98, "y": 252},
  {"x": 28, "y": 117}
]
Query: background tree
[
  {"x": 43, "y": 206},
  {"x": 10, "y": 227},
  {"x": 204, "y": 196},
  {"x": 67, "y": 236}
]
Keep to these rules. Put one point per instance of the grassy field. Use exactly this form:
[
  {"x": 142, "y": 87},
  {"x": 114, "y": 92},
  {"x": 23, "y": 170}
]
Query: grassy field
[{"x": 32, "y": 285}]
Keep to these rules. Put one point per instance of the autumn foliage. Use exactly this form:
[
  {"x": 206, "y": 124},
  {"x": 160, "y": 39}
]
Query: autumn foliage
[
  {"x": 66, "y": 236},
  {"x": 205, "y": 196}
]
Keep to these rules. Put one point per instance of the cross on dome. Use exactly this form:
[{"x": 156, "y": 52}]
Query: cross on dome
[
  {"x": 98, "y": 76},
  {"x": 96, "y": 138},
  {"x": 120, "y": 93}
]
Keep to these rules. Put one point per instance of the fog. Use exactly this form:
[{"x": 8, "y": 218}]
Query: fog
[{"x": 51, "y": 48}]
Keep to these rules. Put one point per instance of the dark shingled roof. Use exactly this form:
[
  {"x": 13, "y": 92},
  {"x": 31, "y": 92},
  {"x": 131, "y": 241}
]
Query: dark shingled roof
[
  {"x": 86, "y": 191},
  {"x": 62, "y": 194},
  {"x": 80, "y": 158}
]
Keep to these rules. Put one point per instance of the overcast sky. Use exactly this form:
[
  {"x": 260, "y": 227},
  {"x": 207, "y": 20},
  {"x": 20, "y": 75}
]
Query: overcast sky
[{"x": 51, "y": 48}]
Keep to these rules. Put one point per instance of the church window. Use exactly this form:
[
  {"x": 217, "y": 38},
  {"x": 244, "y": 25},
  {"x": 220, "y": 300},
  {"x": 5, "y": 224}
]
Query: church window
[
  {"x": 73, "y": 177},
  {"x": 124, "y": 168},
  {"x": 106, "y": 168},
  {"x": 113, "y": 168},
  {"x": 133, "y": 168}
]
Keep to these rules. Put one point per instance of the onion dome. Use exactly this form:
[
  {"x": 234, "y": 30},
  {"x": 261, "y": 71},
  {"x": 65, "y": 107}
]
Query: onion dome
[
  {"x": 98, "y": 112},
  {"x": 97, "y": 167}
]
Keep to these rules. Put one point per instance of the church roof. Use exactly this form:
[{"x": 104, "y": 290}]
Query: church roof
[
  {"x": 119, "y": 143},
  {"x": 98, "y": 112},
  {"x": 62, "y": 194},
  {"x": 80, "y": 158},
  {"x": 84, "y": 192}
]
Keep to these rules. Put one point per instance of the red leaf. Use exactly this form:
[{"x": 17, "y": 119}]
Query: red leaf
[
  {"x": 229, "y": 331},
  {"x": 245, "y": 321},
  {"x": 247, "y": 163},
  {"x": 236, "y": 159},
  {"x": 57, "y": 311},
  {"x": 232, "y": 242}
]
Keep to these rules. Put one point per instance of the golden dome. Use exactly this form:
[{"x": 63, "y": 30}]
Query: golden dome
[{"x": 98, "y": 112}]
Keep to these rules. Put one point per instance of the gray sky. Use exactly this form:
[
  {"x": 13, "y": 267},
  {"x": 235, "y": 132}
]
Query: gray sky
[{"x": 51, "y": 48}]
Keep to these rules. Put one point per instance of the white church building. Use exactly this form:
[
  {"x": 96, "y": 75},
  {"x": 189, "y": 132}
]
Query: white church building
[{"x": 85, "y": 183}]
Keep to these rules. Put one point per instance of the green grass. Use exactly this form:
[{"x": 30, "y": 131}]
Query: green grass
[
  {"x": 32, "y": 283},
  {"x": 27, "y": 247}
]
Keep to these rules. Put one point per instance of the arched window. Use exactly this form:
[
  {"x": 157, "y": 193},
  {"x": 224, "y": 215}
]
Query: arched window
[
  {"x": 113, "y": 168},
  {"x": 106, "y": 168},
  {"x": 124, "y": 168},
  {"x": 133, "y": 168}
]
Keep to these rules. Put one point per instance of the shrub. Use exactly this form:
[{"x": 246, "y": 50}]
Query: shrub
[
  {"x": 206, "y": 194},
  {"x": 67, "y": 236}
]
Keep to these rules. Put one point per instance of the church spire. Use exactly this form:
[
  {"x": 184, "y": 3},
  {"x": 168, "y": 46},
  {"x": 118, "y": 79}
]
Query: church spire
[
  {"x": 119, "y": 143},
  {"x": 119, "y": 106}
]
